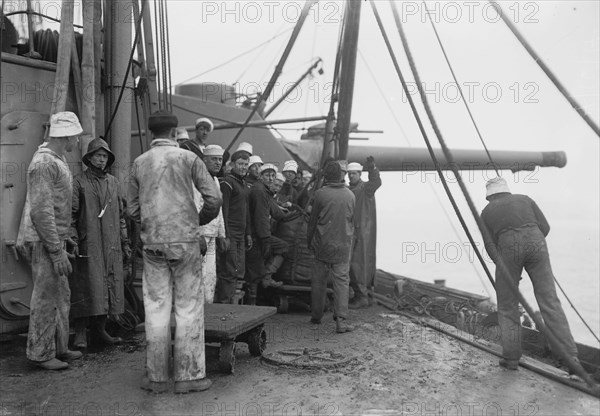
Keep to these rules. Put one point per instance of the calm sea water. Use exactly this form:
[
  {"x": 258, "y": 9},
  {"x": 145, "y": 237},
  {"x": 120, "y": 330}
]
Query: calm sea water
[{"x": 420, "y": 237}]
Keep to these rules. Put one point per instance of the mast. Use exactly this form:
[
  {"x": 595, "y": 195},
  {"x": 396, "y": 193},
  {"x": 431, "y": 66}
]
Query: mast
[
  {"x": 119, "y": 12},
  {"x": 347, "y": 74}
]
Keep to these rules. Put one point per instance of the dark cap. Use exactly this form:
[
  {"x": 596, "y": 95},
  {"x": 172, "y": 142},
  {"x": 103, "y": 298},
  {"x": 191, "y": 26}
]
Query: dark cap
[{"x": 162, "y": 120}]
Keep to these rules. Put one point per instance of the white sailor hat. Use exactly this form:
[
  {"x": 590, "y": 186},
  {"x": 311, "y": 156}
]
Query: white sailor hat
[
  {"x": 63, "y": 124},
  {"x": 268, "y": 166},
  {"x": 255, "y": 159},
  {"x": 244, "y": 147},
  {"x": 354, "y": 167},
  {"x": 213, "y": 150},
  {"x": 496, "y": 185},
  {"x": 290, "y": 165},
  {"x": 204, "y": 120}
]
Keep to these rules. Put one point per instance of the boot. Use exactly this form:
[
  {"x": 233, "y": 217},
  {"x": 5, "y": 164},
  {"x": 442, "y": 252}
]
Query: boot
[
  {"x": 268, "y": 281},
  {"x": 80, "y": 341},
  {"x": 341, "y": 326},
  {"x": 70, "y": 355},
  {"x": 358, "y": 302},
  {"x": 154, "y": 386},
  {"x": 182, "y": 387},
  {"x": 102, "y": 334},
  {"x": 274, "y": 264},
  {"x": 509, "y": 364},
  {"x": 52, "y": 364}
]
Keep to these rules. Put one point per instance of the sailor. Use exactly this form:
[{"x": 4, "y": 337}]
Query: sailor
[
  {"x": 100, "y": 230},
  {"x": 182, "y": 135},
  {"x": 329, "y": 235},
  {"x": 288, "y": 191},
  {"x": 44, "y": 240},
  {"x": 203, "y": 127},
  {"x": 517, "y": 228},
  {"x": 213, "y": 232},
  {"x": 164, "y": 204},
  {"x": 276, "y": 188},
  {"x": 363, "y": 265},
  {"x": 231, "y": 265},
  {"x": 254, "y": 165},
  {"x": 267, "y": 251}
]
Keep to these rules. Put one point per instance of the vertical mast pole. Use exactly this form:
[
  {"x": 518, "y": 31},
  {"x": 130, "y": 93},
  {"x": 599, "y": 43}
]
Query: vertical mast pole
[{"x": 348, "y": 71}]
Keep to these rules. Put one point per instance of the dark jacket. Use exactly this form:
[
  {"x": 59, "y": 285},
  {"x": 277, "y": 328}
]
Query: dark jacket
[
  {"x": 260, "y": 201},
  {"x": 235, "y": 206},
  {"x": 331, "y": 224},
  {"x": 97, "y": 282},
  {"x": 363, "y": 263}
]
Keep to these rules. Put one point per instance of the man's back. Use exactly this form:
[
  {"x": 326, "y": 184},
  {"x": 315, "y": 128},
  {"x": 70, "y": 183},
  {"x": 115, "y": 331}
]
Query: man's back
[
  {"x": 165, "y": 198},
  {"x": 330, "y": 228}
]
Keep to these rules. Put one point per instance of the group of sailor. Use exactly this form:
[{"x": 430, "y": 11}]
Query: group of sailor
[{"x": 205, "y": 226}]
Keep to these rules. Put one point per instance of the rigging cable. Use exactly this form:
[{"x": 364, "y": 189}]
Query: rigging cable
[
  {"x": 545, "y": 330},
  {"x": 124, "y": 84},
  {"x": 546, "y": 69},
  {"x": 437, "y": 197},
  {"x": 460, "y": 89},
  {"x": 428, "y": 143},
  {"x": 235, "y": 57},
  {"x": 488, "y": 153}
]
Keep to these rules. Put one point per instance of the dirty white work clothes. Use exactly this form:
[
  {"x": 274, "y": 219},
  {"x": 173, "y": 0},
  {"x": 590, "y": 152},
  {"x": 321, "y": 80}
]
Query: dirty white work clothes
[
  {"x": 161, "y": 200},
  {"x": 210, "y": 231},
  {"x": 44, "y": 228}
]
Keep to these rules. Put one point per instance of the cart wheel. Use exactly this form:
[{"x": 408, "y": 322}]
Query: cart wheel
[
  {"x": 257, "y": 341},
  {"x": 227, "y": 357},
  {"x": 283, "y": 304}
]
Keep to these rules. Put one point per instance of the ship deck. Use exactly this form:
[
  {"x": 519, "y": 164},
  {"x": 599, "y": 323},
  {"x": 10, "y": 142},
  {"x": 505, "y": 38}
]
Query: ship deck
[{"x": 399, "y": 367}]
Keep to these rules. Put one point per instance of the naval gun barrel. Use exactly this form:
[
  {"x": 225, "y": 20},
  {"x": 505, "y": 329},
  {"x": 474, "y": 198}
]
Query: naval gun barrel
[{"x": 415, "y": 159}]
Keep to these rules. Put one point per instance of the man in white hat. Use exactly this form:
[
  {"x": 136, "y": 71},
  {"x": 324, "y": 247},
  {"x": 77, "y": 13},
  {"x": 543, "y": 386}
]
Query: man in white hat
[
  {"x": 245, "y": 147},
  {"x": 231, "y": 265},
  {"x": 363, "y": 263},
  {"x": 214, "y": 231},
  {"x": 254, "y": 165},
  {"x": 164, "y": 203},
  {"x": 197, "y": 145},
  {"x": 290, "y": 172},
  {"x": 44, "y": 239},
  {"x": 182, "y": 135},
  {"x": 265, "y": 246},
  {"x": 518, "y": 229}
]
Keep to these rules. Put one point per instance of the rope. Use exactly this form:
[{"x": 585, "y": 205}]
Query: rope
[
  {"x": 545, "y": 330},
  {"x": 547, "y": 71},
  {"x": 429, "y": 147},
  {"x": 488, "y": 153},
  {"x": 576, "y": 311},
  {"x": 124, "y": 84},
  {"x": 459, "y": 88},
  {"x": 169, "y": 91},
  {"x": 235, "y": 57}
]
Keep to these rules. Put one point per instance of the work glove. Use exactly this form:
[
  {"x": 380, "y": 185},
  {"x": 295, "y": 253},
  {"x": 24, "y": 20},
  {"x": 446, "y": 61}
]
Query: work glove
[
  {"x": 203, "y": 246},
  {"x": 72, "y": 247},
  {"x": 265, "y": 245},
  {"x": 370, "y": 163},
  {"x": 60, "y": 261},
  {"x": 248, "y": 242},
  {"x": 222, "y": 244}
]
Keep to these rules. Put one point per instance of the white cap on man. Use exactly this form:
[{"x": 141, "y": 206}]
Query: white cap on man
[
  {"x": 63, "y": 124},
  {"x": 244, "y": 147},
  {"x": 206, "y": 121},
  {"x": 355, "y": 167},
  {"x": 268, "y": 166},
  {"x": 213, "y": 150},
  {"x": 496, "y": 185},
  {"x": 279, "y": 177},
  {"x": 182, "y": 133},
  {"x": 254, "y": 159},
  {"x": 290, "y": 165}
]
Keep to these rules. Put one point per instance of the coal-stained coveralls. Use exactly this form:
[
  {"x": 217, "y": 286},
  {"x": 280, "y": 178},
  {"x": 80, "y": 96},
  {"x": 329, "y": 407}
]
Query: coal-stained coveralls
[
  {"x": 363, "y": 263},
  {"x": 161, "y": 200},
  {"x": 329, "y": 234},
  {"x": 45, "y": 226},
  {"x": 518, "y": 229}
]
